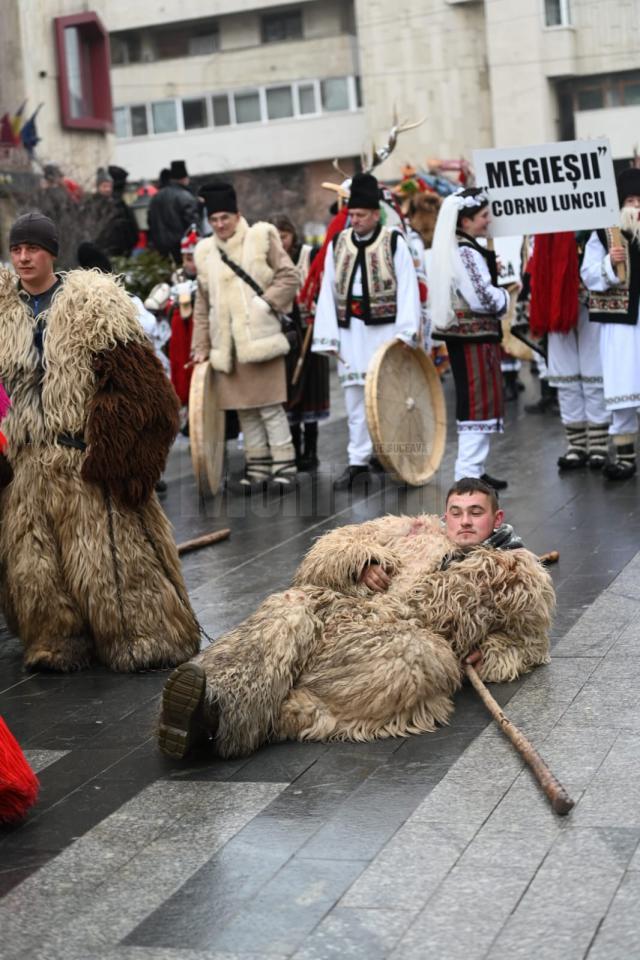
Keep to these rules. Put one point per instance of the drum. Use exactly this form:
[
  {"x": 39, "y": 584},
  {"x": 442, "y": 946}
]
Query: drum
[
  {"x": 206, "y": 430},
  {"x": 406, "y": 412}
]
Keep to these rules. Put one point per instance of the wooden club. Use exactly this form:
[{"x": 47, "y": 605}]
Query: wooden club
[{"x": 556, "y": 793}]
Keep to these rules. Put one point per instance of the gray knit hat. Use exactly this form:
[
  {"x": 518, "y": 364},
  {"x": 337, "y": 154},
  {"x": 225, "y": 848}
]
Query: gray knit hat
[{"x": 35, "y": 228}]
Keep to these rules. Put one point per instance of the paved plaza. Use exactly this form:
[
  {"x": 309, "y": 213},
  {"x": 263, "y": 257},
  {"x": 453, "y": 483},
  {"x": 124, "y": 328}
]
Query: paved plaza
[{"x": 437, "y": 847}]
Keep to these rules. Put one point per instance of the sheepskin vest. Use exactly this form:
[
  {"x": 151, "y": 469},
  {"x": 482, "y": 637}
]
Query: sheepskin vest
[
  {"x": 380, "y": 279},
  {"x": 241, "y": 325},
  {"x": 89, "y": 314}
]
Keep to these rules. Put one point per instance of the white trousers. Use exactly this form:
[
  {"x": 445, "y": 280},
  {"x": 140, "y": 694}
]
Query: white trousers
[
  {"x": 265, "y": 428},
  {"x": 575, "y": 368},
  {"x": 623, "y": 420},
  {"x": 473, "y": 450},
  {"x": 360, "y": 446}
]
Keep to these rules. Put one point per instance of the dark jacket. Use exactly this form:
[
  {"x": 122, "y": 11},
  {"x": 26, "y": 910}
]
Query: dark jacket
[
  {"x": 112, "y": 225},
  {"x": 171, "y": 212}
]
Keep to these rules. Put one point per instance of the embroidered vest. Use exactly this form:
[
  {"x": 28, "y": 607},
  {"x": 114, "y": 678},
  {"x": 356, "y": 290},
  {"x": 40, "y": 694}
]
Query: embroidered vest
[
  {"x": 381, "y": 278},
  {"x": 617, "y": 304}
]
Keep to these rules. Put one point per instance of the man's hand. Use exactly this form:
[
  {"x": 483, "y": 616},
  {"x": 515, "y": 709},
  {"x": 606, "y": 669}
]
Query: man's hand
[
  {"x": 474, "y": 658},
  {"x": 375, "y": 578},
  {"x": 617, "y": 255},
  {"x": 200, "y": 357}
]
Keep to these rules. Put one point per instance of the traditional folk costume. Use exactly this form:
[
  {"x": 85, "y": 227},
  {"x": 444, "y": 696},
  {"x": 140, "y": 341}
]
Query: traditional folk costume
[
  {"x": 88, "y": 566},
  {"x": 242, "y": 334},
  {"x": 308, "y": 399},
  {"x": 330, "y": 660},
  {"x": 615, "y": 306},
  {"x": 559, "y": 310},
  {"x": 466, "y": 305},
  {"x": 180, "y": 310},
  {"x": 369, "y": 295}
]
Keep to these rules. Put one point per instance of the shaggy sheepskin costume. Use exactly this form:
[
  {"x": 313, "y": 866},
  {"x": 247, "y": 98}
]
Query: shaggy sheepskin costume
[
  {"x": 330, "y": 660},
  {"x": 88, "y": 567}
]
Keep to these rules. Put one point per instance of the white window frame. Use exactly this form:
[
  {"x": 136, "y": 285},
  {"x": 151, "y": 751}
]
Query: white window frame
[
  {"x": 296, "y": 98},
  {"x": 261, "y": 102},
  {"x": 208, "y": 112},
  {"x": 294, "y": 102},
  {"x": 565, "y": 16}
]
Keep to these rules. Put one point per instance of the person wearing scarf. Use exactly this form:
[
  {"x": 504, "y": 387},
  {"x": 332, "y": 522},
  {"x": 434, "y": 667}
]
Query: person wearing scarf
[
  {"x": 465, "y": 304},
  {"x": 369, "y": 295},
  {"x": 614, "y": 304}
]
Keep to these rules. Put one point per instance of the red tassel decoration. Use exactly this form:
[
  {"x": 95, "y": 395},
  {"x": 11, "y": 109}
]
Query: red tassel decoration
[{"x": 19, "y": 785}]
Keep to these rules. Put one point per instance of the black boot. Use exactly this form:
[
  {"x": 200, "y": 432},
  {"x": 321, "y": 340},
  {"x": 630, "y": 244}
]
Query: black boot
[
  {"x": 346, "y": 479},
  {"x": 309, "y": 459},
  {"x": 296, "y": 438},
  {"x": 510, "y": 384},
  {"x": 493, "y": 482}
]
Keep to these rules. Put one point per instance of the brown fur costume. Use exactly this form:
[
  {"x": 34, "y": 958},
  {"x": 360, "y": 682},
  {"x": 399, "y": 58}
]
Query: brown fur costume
[
  {"x": 329, "y": 659},
  {"x": 88, "y": 564}
]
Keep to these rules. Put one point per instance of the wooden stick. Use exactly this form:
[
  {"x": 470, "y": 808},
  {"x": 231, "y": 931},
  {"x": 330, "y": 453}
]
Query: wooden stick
[
  {"x": 199, "y": 542},
  {"x": 546, "y": 559},
  {"x": 303, "y": 352},
  {"x": 616, "y": 241},
  {"x": 558, "y": 796}
]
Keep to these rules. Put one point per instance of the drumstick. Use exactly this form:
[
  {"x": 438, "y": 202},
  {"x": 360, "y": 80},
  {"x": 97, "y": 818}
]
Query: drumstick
[
  {"x": 556, "y": 793},
  {"x": 206, "y": 540},
  {"x": 616, "y": 241},
  {"x": 303, "y": 352}
]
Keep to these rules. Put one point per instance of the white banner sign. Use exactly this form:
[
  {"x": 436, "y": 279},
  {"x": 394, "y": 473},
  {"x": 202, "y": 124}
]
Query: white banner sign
[{"x": 549, "y": 188}]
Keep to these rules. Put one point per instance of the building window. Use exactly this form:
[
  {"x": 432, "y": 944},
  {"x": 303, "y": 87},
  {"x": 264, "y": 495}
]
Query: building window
[
  {"x": 221, "y": 112},
  {"x": 279, "y": 103},
  {"x": 126, "y": 47},
  {"x": 335, "y": 94},
  {"x": 165, "y": 116},
  {"x": 631, "y": 94},
  {"x": 247, "y": 107},
  {"x": 557, "y": 13},
  {"x": 82, "y": 47},
  {"x": 591, "y": 98},
  {"x": 121, "y": 121},
  {"x": 139, "y": 125},
  {"x": 284, "y": 25},
  {"x": 194, "y": 114}
]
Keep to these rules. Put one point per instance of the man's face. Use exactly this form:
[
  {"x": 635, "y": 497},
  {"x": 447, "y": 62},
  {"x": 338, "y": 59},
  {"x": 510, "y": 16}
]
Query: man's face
[
  {"x": 470, "y": 518},
  {"x": 33, "y": 264},
  {"x": 224, "y": 224},
  {"x": 105, "y": 188},
  {"x": 478, "y": 225},
  {"x": 630, "y": 217},
  {"x": 363, "y": 221}
]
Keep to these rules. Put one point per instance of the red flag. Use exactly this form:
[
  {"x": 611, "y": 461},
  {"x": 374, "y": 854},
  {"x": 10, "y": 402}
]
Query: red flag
[{"x": 7, "y": 135}]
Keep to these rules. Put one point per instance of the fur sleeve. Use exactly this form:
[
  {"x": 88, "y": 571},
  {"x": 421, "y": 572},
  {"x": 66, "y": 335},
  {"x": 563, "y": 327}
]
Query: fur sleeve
[
  {"x": 337, "y": 559},
  {"x": 500, "y": 601},
  {"x": 132, "y": 422}
]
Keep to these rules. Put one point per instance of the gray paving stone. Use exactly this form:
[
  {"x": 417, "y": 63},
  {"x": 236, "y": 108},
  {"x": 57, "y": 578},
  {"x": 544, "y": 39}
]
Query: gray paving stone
[
  {"x": 569, "y": 895},
  {"x": 288, "y": 907},
  {"x": 519, "y": 847},
  {"x": 599, "y": 627},
  {"x": 619, "y": 935},
  {"x": 41, "y": 759},
  {"x": 36, "y": 913},
  {"x": 415, "y": 860},
  {"x": 352, "y": 934},
  {"x": 462, "y": 918}
]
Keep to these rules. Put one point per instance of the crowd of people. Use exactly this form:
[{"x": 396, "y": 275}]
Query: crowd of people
[
  {"x": 267, "y": 310},
  {"x": 88, "y": 567}
]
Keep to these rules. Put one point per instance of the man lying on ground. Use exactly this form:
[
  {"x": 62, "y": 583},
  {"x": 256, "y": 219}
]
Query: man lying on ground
[{"x": 367, "y": 642}]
